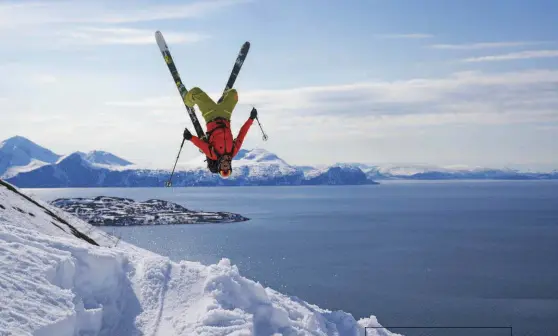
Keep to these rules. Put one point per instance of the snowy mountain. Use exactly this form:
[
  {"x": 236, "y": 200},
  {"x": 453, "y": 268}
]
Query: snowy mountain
[
  {"x": 105, "y": 159},
  {"x": 18, "y": 154},
  {"x": 118, "y": 211},
  {"x": 69, "y": 171},
  {"x": 337, "y": 175},
  {"x": 250, "y": 167},
  {"x": 430, "y": 172},
  {"x": 62, "y": 276},
  {"x": 256, "y": 167}
]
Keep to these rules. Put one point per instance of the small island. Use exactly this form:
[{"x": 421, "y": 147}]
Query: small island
[{"x": 117, "y": 211}]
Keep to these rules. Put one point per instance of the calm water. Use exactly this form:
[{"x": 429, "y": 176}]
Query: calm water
[{"x": 476, "y": 254}]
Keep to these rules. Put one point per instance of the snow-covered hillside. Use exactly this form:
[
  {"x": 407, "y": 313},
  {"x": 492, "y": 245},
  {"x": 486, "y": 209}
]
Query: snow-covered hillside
[
  {"x": 18, "y": 154},
  {"x": 61, "y": 276}
]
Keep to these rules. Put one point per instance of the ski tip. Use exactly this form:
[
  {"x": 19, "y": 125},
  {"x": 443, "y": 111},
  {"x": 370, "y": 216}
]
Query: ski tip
[{"x": 160, "y": 40}]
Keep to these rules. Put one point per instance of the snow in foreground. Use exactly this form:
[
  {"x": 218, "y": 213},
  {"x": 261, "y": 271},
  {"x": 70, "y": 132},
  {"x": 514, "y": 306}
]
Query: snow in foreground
[{"x": 61, "y": 276}]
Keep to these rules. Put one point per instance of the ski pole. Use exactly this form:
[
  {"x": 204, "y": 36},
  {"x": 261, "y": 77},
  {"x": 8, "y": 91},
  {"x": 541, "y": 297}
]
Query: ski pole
[
  {"x": 264, "y": 136},
  {"x": 169, "y": 183}
]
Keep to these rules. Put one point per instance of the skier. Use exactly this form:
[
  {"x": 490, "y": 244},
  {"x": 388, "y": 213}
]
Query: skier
[{"x": 220, "y": 147}]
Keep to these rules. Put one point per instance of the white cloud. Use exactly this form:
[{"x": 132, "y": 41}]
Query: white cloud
[
  {"x": 381, "y": 107},
  {"x": 415, "y": 96},
  {"x": 167, "y": 12},
  {"x": 486, "y": 45},
  {"x": 48, "y": 12},
  {"x": 153, "y": 102},
  {"x": 119, "y": 35},
  {"x": 404, "y": 36},
  {"x": 45, "y": 79},
  {"x": 55, "y": 24},
  {"x": 529, "y": 54}
]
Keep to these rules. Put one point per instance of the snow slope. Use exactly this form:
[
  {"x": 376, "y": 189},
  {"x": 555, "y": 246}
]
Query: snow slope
[{"x": 61, "y": 276}]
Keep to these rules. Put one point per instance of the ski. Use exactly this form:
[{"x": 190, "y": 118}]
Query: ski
[
  {"x": 237, "y": 66},
  {"x": 163, "y": 47}
]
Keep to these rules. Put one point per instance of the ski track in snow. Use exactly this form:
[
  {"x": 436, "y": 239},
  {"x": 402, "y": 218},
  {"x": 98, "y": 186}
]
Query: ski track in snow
[
  {"x": 55, "y": 283},
  {"x": 164, "y": 289}
]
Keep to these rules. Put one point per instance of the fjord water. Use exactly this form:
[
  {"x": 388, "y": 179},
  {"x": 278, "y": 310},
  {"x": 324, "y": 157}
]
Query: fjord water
[{"x": 415, "y": 254}]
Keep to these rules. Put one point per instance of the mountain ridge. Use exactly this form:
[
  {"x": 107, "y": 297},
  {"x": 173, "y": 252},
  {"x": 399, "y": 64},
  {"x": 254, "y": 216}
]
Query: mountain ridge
[{"x": 250, "y": 167}]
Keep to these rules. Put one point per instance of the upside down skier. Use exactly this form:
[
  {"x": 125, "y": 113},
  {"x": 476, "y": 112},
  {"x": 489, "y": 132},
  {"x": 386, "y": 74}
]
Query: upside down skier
[{"x": 219, "y": 146}]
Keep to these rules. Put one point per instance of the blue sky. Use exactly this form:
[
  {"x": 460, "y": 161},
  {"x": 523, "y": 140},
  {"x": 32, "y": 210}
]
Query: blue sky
[{"x": 440, "y": 82}]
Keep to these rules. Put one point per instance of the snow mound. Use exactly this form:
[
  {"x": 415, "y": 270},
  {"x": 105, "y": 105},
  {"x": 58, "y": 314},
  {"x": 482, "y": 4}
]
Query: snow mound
[
  {"x": 61, "y": 276},
  {"x": 57, "y": 286}
]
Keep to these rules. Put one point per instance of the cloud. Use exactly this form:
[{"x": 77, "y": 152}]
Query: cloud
[
  {"x": 404, "y": 36},
  {"x": 550, "y": 128},
  {"x": 463, "y": 97},
  {"x": 58, "y": 24},
  {"x": 44, "y": 79},
  {"x": 49, "y": 12},
  {"x": 153, "y": 13},
  {"x": 397, "y": 97},
  {"x": 529, "y": 54},
  {"x": 486, "y": 45},
  {"x": 119, "y": 35},
  {"x": 160, "y": 102}
]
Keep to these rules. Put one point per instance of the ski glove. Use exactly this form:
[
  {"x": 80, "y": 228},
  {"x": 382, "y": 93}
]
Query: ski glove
[
  {"x": 187, "y": 134},
  {"x": 254, "y": 113}
]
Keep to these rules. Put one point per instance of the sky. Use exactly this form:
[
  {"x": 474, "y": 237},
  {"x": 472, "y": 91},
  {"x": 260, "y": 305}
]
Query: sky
[{"x": 468, "y": 82}]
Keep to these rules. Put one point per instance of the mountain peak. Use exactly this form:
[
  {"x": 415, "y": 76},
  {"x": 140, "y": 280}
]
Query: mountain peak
[
  {"x": 17, "y": 141},
  {"x": 19, "y": 151},
  {"x": 105, "y": 158},
  {"x": 258, "y": 155},
  {"x": 74, "y": 156}
]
